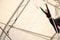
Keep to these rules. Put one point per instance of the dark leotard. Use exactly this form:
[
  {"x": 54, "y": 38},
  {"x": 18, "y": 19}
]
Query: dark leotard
[{"x": 56, "y": 21}]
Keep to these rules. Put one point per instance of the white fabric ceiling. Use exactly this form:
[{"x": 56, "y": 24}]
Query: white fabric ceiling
[{"x": 31, "y": 19}]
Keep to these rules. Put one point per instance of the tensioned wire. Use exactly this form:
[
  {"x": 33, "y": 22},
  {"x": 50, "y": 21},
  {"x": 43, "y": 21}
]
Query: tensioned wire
[
  {"x": 11, "y": 17},
  {"x": 30, "y": 32},
  {"x": 17, "y": 17}
]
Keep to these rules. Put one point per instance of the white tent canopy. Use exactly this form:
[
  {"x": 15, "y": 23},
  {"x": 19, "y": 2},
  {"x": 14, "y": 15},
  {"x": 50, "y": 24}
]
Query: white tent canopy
[{"x": 31, "y": 19}]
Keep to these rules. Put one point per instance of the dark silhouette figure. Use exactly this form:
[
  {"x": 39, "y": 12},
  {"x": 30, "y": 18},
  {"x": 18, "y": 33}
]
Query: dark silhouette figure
[{"x": 55, "y": 22}]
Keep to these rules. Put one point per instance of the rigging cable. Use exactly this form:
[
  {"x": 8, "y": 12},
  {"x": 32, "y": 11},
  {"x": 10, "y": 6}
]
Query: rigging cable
[
  {"x": 5, "y": 33},
  {"x": 11, "y": 17},
  {"x": 17, "y": 17},
  {"x": 36, "y": 34}
]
